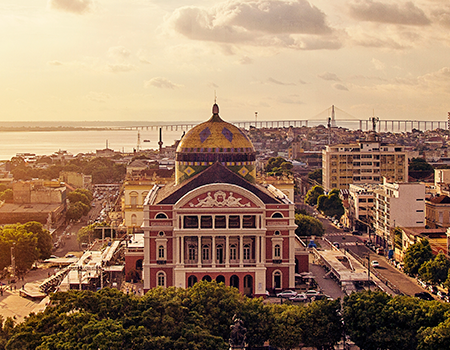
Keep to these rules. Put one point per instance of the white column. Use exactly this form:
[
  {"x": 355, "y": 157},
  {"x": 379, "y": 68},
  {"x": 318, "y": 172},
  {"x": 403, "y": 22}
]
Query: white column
[
  {"x": 257, "y": 250},
  {"x": 227, "y": 251},
  {"x": 263, "y": 249},
  {"x": 182, "y": 250},
  {"x": 241, "y": 251},
  {"x": 214, "y": 252},
  {"x": 199, "y": 251}
]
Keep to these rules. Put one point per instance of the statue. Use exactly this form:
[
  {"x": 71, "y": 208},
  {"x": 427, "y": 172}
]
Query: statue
[{"x": 237, "y": 336}]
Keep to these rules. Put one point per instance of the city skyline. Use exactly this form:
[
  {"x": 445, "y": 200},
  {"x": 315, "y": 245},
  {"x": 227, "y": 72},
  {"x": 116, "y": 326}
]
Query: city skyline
[{"x": 167, "y": 60}]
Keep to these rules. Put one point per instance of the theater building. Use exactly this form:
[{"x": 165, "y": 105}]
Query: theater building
[{"x": 214, "y": 222}]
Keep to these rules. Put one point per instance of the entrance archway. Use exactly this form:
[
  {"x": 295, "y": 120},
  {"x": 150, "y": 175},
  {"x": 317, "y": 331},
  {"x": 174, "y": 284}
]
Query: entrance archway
[
  {"x": 220, "y": 279},
  {"x": 192, "y": 280},
  {"x": 248, "y": 285},
  {"x": 234, "y": 281}
]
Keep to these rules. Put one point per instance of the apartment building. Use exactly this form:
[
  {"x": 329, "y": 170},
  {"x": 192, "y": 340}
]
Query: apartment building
[
  {"x": 397, "y": 204},
  {"x": 363, "y": 162}
]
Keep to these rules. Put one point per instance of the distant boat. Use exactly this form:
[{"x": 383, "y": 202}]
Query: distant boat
[{"x": 146, "y": 140}]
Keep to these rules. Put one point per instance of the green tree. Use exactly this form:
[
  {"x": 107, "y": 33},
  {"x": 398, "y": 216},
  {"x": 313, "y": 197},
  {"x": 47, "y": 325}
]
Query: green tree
[
  {"x": 76, "y": 196},
  {"x": 323, "y": 327},
  {"x": 331, "y": 204},
  {"x": 76, "y": 211},
  {"x": 416, "y": 255},
  {"x": 278, "y": 166},
  {"x": 7, "y": 195},
  {"x": 44, "y": 238},
  {"x": 308, "y": 226},
  {"x": 419, "y": 168},
  {"x": 436, "y": 270},
  {"x": 287, "y": 331},
  {"x": 313, "y": 194},
  {"x": 435, "y": 338}
]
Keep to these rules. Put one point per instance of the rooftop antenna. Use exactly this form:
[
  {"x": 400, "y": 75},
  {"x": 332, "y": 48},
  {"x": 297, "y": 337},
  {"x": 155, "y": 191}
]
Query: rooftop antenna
[
  {"x": 329, "y": 130},
  {"x": 160, "y": 142},
  {"x": 256, "y": 119},
  {"x": 138, "y": 141}
]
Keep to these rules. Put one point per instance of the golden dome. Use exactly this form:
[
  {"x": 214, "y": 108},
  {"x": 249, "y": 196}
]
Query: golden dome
[
  {"x": 215, "y": 135},
  {"x": 215, "y": 141}
]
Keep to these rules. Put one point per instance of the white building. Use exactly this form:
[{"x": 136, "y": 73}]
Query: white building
[{"x": 397, "y": 204}]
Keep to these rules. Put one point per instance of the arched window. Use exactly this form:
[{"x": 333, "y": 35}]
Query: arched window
[
  {"x": 277, "y": 215},
  {"x": 205, "y": 252},
  {"x": 234, "y": 281},
  {"x": 161, "y": 252},
  {"x": 277, "y": 279},
  {"x": 192, "y": 280},
  {"x": 161, "y": 277},
  {"x": 192, "y": 250},
  {"x": 246, "y": 251},
  {"x": 233, "y": 252},
  {"x": 139, "y": 264},
  {"x": 161, "y": 216},
  {"x": 207, "y": 278},
  {"x": 277, "y": 251},
  {"x": 133, "y": 220},
  {"x": 220, "y": 279}
]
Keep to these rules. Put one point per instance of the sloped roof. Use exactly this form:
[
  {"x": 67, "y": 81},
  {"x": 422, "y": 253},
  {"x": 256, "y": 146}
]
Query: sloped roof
[
  {"x": 216, "y": 173},
  {"x": 443, "y": 199}
]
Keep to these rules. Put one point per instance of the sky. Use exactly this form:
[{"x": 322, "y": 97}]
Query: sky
[{"x": 169, "y": 60}]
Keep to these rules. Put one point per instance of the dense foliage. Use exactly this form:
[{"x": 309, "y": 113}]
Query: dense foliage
[
  {"x": 419, "y": 168},
  {"x": 313, "y": 194},
  {"x": 308, "y": 226},
  {"x": 331, "y": 204},
  {"x": 79, "y": 204},
  {"x": 416, "y": 255},
  {"x": 30, "y": 241},
  {"x": 316, "y": 176},
  {"x": 278, "y": 166},
  {"x": 200, "y": 318}
]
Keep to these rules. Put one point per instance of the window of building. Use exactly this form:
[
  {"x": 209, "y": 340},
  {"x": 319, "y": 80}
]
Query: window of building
[
  {"x": 233, "y": 252},
  {"x": 205, "y": 252},
  {"x": 161, "y": 252},
  {"x": 192, "y": 252},
  {"x": 249, "y": 221},
  {"x": 277, "y": 215},
  {"x": 277, "y": 279},
  {"x": 220, "y": 221},
  {"x": 206, "y": 221},
  {"x": 277, "y": 251},
  {"x": 246, "y": 251},
  {"x": 161, "y": 279},
  {"x": 133, "y": 198},
  {"x": 190, "y": 221},
  {"x": 161, "y": 234},
  {"x": 133, "y": 220},
  {"x": 276, "y": 233},
  {"x": 234, "y": 221},
  {"x": 219, "y": 252},
  {"x": 161, "y": 216}
]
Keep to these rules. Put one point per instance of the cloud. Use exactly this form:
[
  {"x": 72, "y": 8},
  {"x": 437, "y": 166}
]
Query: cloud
[
  {"x": 120, "y": 67},
  {"x": 293, "y": 24},
  {"x": 74, "y": 6},
  {"x": 98, "y": 96},
  {"x": 142, "y": 56},
  {"x": 162, "y": 83},
  {"x": 245, "y": 60},
  {"x": 119, "y": 52},
  {"x": 373, "y": 11},
  {"x": 55, "y": 63},
  {"x": 442, "y": 16},
  {"x": 378, "y": 64},
  {"x": 291, "y": 99},
  {"x": 277, "y": 82},
  {"x": 329, "y": 76},
  {"x": 340, "y": 87}
]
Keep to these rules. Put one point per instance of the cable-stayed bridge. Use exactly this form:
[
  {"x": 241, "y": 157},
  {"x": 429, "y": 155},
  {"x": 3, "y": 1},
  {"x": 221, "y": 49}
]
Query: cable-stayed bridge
[{"x": 327, "y": 118}]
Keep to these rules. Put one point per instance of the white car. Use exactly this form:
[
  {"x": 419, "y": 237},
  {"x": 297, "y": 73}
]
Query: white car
[
  {"x": 375, "y": 264},
  {"x": 299, "y": 297},
  {"x": 311, "y": 293},
  {"x": 287, "y": 294}
]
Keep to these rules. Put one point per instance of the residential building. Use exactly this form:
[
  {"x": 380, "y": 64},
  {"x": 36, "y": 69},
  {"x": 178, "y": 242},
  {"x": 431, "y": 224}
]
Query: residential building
[
  {"x": 397, "y": 204},
  {"x": 360, "y": 206},
  {"x": 437, "y": 212},
  {"x": 363, "y": 162}
]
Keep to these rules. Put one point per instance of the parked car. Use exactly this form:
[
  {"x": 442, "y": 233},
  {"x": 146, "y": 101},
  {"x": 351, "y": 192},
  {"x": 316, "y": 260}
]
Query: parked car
[
  {"x": 287, "y": 294},
  {"x": 375, "y": 264},
  {"x": 299, "y": 297},
  {"x": 356, "y": 233},
  {"x": 423, "y": 284},
  {"x": 311, "y": 293},
  {"x": 380, "y": 251},
  {"x": 322, "y": 297},
  {"x": 336, "y": 244},
  {"x": 441, "y": 294}
]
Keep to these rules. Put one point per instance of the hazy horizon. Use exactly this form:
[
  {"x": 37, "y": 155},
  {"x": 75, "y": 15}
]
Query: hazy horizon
[{"x": 168, "y": 60}]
